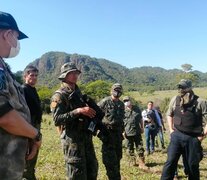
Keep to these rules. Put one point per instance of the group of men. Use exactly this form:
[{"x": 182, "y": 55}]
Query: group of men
[{"x": 79, "y": 118}]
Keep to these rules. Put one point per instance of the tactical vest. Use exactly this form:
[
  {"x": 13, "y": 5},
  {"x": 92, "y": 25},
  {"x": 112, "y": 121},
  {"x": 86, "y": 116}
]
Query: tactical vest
[
  {"x": 73, "y": 100},
  {"x": 186, "y": 119}
]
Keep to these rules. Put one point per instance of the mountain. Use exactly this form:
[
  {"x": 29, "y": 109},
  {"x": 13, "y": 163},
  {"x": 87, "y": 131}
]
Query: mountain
[{"x": 93, "y": 69}]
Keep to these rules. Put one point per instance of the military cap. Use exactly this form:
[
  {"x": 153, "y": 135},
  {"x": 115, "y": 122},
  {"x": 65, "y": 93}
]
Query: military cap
[
  {"x": 116, "y": 86},
  {"x": 8, "y": 22},
  {"x": 126, "y": 98},
  {"x": 66, "y": 68},
  {"x": 184, "y": 84}
]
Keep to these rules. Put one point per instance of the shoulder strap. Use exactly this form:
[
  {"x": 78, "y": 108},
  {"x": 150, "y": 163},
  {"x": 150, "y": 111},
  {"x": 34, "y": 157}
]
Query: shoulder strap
[{"x": 64, "y": 95}]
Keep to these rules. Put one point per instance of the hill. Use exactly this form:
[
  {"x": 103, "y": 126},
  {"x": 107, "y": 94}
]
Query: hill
[{"x": 93, "y": 69}]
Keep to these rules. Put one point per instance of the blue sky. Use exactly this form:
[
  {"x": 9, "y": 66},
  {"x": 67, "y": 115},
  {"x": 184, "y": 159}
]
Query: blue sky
[{"x": 134, "y": 33}]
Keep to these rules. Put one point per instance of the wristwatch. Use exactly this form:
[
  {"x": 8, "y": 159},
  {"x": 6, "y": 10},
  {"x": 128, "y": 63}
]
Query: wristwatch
[{"x": 38, "y": 137}]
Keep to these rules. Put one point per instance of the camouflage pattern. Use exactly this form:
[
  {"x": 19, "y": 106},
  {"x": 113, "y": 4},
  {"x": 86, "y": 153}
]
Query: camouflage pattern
[
  {"x": 112, "y": 145},
  {"x": 80, "y": 159},
  {"x": 132, "y": 130},
  {"x": 12, "y": 148},
  {"x": 29, "y": 171}
]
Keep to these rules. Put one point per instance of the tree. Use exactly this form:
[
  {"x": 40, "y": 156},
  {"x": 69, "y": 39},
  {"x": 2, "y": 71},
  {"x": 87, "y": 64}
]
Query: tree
[
  {"x": 98, "y": 89},
  {"x": 186, "y": 67}
]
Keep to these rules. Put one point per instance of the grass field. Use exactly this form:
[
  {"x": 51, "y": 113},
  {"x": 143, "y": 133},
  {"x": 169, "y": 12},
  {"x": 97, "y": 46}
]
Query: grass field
[
  {"x": 160, "y": 95},
  {"x": 50, "y": 164}
]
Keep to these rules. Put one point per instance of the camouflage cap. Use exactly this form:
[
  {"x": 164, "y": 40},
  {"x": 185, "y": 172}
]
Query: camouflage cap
[
  {"x": 184, "y": 84},
  {"x": 66, "y": 68},
  {"x": 116, "y": 86},
  {"x": 126, "y": 98}
]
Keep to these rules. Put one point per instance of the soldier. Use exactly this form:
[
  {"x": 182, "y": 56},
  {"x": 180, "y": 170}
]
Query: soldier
[
  {"x": 113, "y": 108},
  {"x": 133, "y": 127},
  {"x": 34, "y": 104},
  {"x": 15, "y": 128},
  {"x": 71, "y": 112},
  {"x": 186, "y": 115}
]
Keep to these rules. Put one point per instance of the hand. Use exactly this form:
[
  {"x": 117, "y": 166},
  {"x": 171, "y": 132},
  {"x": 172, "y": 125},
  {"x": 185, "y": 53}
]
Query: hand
[
  {"x": 124, "y": 136},
  {"x": 171, "y": 130},
  {"x": 87, "y": 111},
  {"x": 142, "y": 130},
  {"x": 201, "y": 138},
  {"x": 33, "y": 149}
]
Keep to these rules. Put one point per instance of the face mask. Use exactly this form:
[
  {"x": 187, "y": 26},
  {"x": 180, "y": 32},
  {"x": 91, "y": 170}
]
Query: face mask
[
  {"x": 116, "y": 94},
  {"x": 127, "y": 103},
  {"x": 14, "y": 51}
]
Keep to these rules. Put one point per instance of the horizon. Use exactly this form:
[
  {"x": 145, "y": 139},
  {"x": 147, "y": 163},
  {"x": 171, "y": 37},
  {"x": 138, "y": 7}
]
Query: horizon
[{"x": 162, "y": 34}]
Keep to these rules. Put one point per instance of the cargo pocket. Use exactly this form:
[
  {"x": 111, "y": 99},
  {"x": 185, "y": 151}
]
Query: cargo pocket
[{"x": 73, "y": 160}]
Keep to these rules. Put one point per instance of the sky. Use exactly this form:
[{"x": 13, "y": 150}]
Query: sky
[{"x": 133, "y": 33}]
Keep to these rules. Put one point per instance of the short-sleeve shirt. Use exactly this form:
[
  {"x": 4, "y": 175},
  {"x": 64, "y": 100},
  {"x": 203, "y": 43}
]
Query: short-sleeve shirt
[
  {"x": 12, "y": 148},
  {"x": 201, "y": 106}
]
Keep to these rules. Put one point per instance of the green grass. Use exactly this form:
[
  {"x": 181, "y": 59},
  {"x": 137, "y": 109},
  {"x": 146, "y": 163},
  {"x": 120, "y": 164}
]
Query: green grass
[
  {"x": 51, "y": 163},
  {"x": 160, "y": 95}
]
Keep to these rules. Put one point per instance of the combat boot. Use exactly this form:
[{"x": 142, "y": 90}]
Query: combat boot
[{"x": 141, "y": 162}]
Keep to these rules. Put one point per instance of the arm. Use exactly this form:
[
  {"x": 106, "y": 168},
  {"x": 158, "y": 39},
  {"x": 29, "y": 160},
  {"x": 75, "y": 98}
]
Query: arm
[
  {"x": 170, "y": 123},
  {"x": 15, "y": 124}
]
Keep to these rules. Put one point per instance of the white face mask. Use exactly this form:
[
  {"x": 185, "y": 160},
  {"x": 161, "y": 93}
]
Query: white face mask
[
  {"x": 127, "y": 103},
  {"x": 14, "y": 51}
]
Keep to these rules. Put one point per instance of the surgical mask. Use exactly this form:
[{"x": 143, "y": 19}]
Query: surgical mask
[
  {"x": 14, "y": 51},
  {"x": 127, "y": 103}
]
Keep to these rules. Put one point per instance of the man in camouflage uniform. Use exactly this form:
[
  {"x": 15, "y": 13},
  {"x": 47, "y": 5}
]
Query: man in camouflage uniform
[
  {"x": 70, "y": 110},
  {"x": 113, "y": 120},
  {"x": 133, "y": 127},
  {"x": 15, "y": 128}
]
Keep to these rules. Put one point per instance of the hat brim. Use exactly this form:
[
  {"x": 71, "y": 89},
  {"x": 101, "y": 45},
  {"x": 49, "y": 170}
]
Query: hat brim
[
  {"x": 22, "y": 35},
  {"x": 63, "y": 75}
]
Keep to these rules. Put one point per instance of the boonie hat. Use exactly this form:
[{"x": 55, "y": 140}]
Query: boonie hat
[
  {"x": 8, "y": 22},
  {"x": 116, "y": 86},
  {"x": 184, "y": 84},
  {"x": 66, "y": 68}
]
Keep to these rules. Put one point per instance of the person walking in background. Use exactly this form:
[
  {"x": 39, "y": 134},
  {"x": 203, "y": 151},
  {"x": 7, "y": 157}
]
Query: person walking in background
[
  {"x": 70, "y": 110},
  {"x": 15, "y": 128},
  {"x": 161, "y": 129},
  {"x": 113, "y": 108},
  {"x": 133, "y": 127},
  {"x": 151, "y": 124},
  {"x": 33, "y": 101},
  {"x": 186, "y": 115}
]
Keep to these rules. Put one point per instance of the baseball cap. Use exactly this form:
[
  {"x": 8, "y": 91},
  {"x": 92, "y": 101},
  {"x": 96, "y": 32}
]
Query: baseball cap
[
  {"x": 8, "y": 22},
  {"x": 66, "y": 68},
  {"x": 184, "y": 84}
]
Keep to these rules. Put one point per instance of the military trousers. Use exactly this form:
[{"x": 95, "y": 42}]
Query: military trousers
[
  {"x": 135, "y": 141},
  {"x": 80, "y": 158},
  {"x": 112, "y": 154}
]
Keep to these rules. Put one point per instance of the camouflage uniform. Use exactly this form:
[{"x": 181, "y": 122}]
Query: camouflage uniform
[
  {"x": 132, "y": 131},
  {"x": 112, "y": 145},
  {"x": 12, "y": 148},
  {"x": 80, "y": 158}
]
